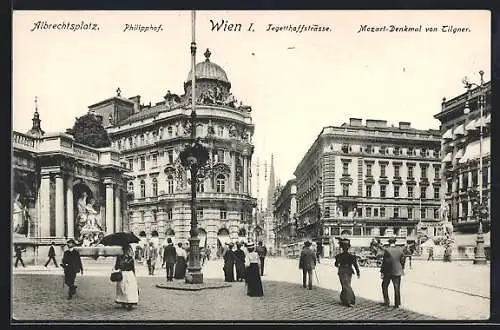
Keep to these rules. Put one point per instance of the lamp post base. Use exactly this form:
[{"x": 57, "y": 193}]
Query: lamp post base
[
  {"x": 194, "y": 274},
  {"x": 480, "y": 256}
]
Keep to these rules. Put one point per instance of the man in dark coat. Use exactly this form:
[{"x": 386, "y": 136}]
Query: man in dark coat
[
  {"x": 391, "y": 270},
  {"x": 52, "y": 255},
  {"x": 19, "y": 255},
  {"x": 72, "y": 264},
  {"x": 169, "y": 258},
  {"x": 229, "y": 261},
  {"x": 239, "y": 257},
  {"x": 307, "y": 263},
  {"x": 262, "y": 252}
]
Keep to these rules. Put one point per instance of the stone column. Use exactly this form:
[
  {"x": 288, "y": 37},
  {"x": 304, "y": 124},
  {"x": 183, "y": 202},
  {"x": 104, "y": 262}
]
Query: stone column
[
  {"x": 109, "y": 207},
  {"x": 69, "y": 209},
  {"x": 59, "y": 206},
  {"x": 245, "y": 174},
  {"x": 470, "y": 179},
  {"x": 118, "y": 210},
  {"x": 461, "y": 181},
  {"x": 233, "y": 172},
  {"x": 45, "y": 206}
]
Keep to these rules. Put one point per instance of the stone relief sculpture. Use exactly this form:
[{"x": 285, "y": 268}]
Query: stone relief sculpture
[
  {"x": 17, "y": 215},
  {"x": 89, "y": 221},
  {"x": 230, "y": 100}
]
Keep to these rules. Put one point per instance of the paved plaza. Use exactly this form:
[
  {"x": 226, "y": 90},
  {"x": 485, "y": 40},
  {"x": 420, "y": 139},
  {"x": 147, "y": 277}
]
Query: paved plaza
[{"x": 430, "y": 290}]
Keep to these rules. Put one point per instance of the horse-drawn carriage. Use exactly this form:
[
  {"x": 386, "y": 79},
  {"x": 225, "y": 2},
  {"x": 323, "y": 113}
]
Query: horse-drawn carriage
[{"x": 369, "y": 259}]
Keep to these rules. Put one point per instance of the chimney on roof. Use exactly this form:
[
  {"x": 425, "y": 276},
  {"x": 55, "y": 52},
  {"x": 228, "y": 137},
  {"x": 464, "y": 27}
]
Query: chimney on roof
[
  {"x": 137, "y": 103},
  {"x": 375, "y": 123},
  {"x": 404, "y": 125},
  {"x": 355, "y": 122}
]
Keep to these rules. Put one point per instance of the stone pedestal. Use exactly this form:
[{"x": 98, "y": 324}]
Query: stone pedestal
[{"x": 194, "y": 274}]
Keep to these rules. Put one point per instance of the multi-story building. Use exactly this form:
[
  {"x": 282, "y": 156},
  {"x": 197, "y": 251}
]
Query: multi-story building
[
  {"x": 150, "y": 139},
  {"x": 285, "y": 210},
  {"x": 371, "y": 180},
  {"x": 460, "y": 158}
]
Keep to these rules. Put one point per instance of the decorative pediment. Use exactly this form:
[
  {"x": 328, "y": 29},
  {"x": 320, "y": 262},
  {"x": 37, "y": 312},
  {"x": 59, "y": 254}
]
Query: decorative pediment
[
  {"x": 221, "y": 168},
  {"x": 170, "y": 169}
]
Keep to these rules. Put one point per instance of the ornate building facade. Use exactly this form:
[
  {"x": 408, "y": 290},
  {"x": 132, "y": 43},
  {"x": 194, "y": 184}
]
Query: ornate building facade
[
  {"x": 57, "y": 184},
  {"x": 461, "y": 153},
  {"x": 150, "y": 139},
  {"x": 372, "y": 180},
  {"x": 285, "y": 212}
]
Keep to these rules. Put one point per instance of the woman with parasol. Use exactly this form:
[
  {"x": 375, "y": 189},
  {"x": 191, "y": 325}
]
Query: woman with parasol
[{"x": 127, "y": 290}]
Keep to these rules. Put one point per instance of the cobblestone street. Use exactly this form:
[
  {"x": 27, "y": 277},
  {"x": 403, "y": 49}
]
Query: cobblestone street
[{"x": 38, "y": 294}]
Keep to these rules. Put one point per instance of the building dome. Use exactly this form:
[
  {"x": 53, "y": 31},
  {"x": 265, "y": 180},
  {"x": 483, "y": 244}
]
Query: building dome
[{"x": 208, "y": 70}]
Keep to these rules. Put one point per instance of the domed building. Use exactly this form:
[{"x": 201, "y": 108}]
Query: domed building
[{"x": 150, "y": 139}]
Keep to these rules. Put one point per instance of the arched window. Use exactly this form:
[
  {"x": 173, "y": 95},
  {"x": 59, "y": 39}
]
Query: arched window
[
  {"x": 130, "y": 187},
  {"x": 200, "y": 187},
  {"x": 170, "y": 131},
  {"x": 143, "y": 189},
  {"x": 130, "y": 142},
  {"x": 155, "y": 187},
  {"x": 170, "y": 184},
  {"x": 221, "y": 183},
  {"x": 142, "y": 139}
]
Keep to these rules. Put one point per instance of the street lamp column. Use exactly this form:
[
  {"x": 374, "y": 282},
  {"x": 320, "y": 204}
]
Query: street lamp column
[{"x": 479, "y": 256}]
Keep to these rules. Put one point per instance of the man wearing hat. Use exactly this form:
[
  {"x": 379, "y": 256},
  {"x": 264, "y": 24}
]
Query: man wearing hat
[
  {"x": 229, "y": 261},
  {"x": 52, "y": 255},
  {"x": 307, "y": 263},
  {"x": 169, "y": 259},
  {"x": 391, "y": 270},
  {"x": 72, "y": 264}
]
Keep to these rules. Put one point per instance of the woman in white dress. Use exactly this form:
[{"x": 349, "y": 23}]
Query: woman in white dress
[{"x": 127, "y": 290}]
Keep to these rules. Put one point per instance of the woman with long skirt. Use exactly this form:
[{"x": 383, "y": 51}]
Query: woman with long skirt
[
  {"x": 252, "y": 279},
  {"x": 345, "y": 262},
  {"x": 181, "y": 262},
  {"x": 127, "y": 290}
]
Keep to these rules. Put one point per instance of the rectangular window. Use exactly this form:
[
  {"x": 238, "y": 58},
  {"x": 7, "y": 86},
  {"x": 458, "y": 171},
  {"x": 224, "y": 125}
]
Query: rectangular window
[
  {"x": 345, "y": 168},
  {"x": 223, "y": 214},
  {"x": 154, "y": 160},
  {"x": 143, "y": 163},
  {"x": 382, "y": 212},
  {"x": 436, "y": 192},
  {"x": 410, "y": 172},
  {"x": 396, "y": 191},
  {"x": 410, "y": 213},
  {"x": 345, "y": 190},
  {"x": 169, "y": 214},
  {"x": 436, "y": 213},
  {"x": 369, "y": 169},
  {"x": 220, "y": 156},
  {"x": 345, "y": 149},
  {"x": 356, "y": 231},
  {"x": 411, "y": 152},
  {"x": 375, "y": 212},
  {"x": 130, "y": 164},
  {"x": 220, "y": 129},
  {"x": 436, "y": 172},
  {"x": 397, "y": 151},
  {"x": 368, "y": 149},
  {"x": 368, "y": 190},
  {"x": 422, "y": 213},
  {"x": 382, "y": 170},
  {"x": 396, "y": 212},
  {"x": 423, "y": 171},
  {"x": 382, "y": 150},
  {"x": 396, "y": 171},
  {"x": 423, "y": 191},
  {"x": 423, "y": 152},
  {"x": 327, "y": 212},
  {"x": 368, "y": 211},
  {"x": 170, "y": 156},
  {"x": 410, "y": 192},
  {"x": 382, "y": 190},
  {"x": 199, "y": 214}
]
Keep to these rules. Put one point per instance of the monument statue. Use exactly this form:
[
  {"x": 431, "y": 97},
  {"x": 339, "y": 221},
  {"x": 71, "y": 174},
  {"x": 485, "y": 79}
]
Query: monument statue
[
  {"x": 89, "y": 221},
  {"x": 17, "y": 215}
]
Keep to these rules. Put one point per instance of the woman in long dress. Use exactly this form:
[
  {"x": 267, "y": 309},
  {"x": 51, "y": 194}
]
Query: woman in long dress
[
  {"x": 252, "y": 279},
  {"x": 345, "y": 262},
  {"x": 181, "y": 262},
  {"x": 127, "y": 290}
]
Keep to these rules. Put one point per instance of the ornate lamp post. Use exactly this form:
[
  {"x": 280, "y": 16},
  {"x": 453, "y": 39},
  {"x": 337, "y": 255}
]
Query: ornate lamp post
[
  {"x": 479, "y": 256},
  {"x": 193, "y": 158}
]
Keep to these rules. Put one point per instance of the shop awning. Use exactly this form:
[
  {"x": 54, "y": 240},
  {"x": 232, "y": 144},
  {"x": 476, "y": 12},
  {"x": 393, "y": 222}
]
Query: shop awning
[
  {"x": 470, "y": 239},
  {"x": 472, "y": 125},
  {"x": 224, "y": 239},
  {"x": 459, "y": 130},
  {"x": 447, "y": 158},
  {"x": 448, "y": 134},
  {"x": 472, "y": 150}
]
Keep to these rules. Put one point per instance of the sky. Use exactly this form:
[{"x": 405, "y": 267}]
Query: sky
[{"x": 296, "y": 83}]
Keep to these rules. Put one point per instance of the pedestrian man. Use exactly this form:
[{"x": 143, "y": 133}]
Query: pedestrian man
[
  {"x": 19, "y": 255},
  {"x": 152, "y": 255},
  {"x": 169, "y": 258},
  {"x": 72, "y": 264},
  {"x": 262, "y": 252},
  {"x": 408, "y": 254},
  {"x": 52, "y": 255},
  {"x": 391, "y": 270},
  {"x": 307, "y": 263}
]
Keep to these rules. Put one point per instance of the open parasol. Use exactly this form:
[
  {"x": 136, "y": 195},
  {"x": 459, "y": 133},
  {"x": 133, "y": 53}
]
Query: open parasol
[{"x": 120, "y": 238}]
